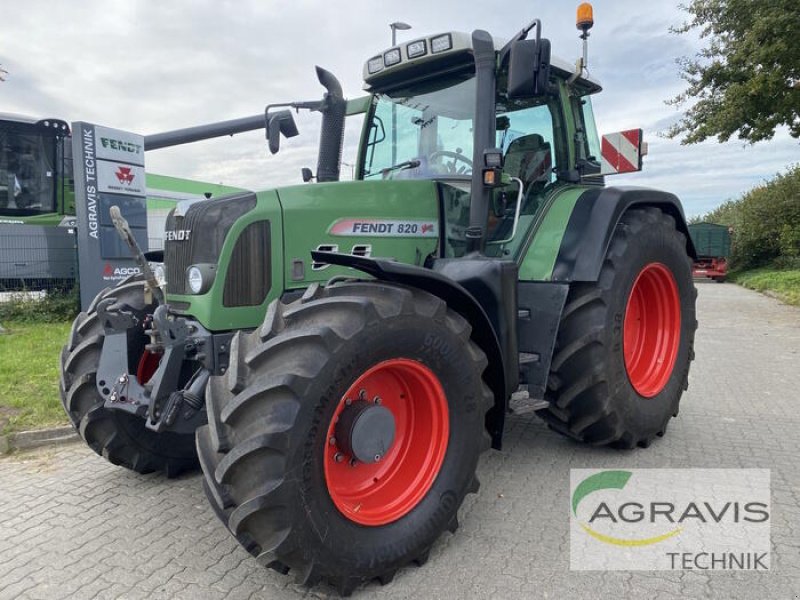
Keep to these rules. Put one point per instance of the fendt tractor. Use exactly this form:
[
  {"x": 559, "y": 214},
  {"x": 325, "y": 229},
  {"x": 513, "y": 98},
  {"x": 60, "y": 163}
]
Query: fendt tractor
[{"x": 337, "y": 355}]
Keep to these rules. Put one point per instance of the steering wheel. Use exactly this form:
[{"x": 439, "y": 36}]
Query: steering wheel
[{"x": 451, "y": 167}]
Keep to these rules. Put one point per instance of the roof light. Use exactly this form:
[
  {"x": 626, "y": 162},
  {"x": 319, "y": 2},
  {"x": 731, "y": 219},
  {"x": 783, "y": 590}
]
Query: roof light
[
  {"x": 585, "y": 17},
  {"x": 375, "y": 64},
  {"x": 392, "y": 57},
  {"x": 441, "y": 43},
  {"x": 415, "y": 49}
]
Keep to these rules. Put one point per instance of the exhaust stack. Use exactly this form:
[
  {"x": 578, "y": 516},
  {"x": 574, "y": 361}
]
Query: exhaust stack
[{"x": 334, "y": 108}]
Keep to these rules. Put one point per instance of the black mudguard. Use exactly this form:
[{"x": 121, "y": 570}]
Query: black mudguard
[
  {"x": 485, "y": 297},
  {"x": 593, "y": 220}
]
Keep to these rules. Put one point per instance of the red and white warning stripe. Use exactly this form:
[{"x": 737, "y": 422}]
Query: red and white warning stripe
[{"x": 621, "y": 152}]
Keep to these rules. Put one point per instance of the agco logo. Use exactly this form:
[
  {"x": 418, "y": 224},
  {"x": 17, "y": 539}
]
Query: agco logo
[
  {"x": 177, "y": 235},
  {"x": 110, "y": 272},
  {"x": 124, "y": 175}
]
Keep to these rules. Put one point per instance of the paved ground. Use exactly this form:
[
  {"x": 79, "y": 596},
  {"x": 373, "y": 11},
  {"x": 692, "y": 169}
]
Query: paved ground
[{"x": 72, "y": 525}]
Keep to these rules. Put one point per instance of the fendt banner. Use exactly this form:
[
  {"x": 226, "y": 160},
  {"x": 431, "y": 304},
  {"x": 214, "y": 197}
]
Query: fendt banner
[{"x": 109, "y": 170}]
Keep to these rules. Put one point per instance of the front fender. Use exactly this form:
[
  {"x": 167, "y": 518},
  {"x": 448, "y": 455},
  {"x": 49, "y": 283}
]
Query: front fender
[{"x": 460, "y": 300}]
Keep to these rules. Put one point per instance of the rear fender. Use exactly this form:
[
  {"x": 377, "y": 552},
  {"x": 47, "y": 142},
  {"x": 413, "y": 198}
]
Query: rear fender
[{"x": 593, "y": 221}]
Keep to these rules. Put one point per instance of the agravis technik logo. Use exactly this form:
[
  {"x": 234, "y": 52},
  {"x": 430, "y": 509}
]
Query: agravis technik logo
[{"x": 715, "y": 519}]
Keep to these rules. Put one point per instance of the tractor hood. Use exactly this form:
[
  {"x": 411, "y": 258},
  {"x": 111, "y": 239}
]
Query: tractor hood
[
  {"x": 226, "y": 259},
  {"x": 391, "y": 218}
]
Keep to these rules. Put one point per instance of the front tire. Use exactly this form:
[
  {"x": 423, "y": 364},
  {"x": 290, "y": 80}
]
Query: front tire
[
  {"x": 120, "y": 438},
  {"x": 277, "y": 458},
  {"x": 625, "y": 343}
]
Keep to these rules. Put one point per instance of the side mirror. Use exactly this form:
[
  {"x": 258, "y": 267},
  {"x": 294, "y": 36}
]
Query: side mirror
[
  {"x": 622, "y": 152},
  {"x": 528, "y": 68},
  {"x": 281, "y": 122},
  {"x": 307, "y": 175}
]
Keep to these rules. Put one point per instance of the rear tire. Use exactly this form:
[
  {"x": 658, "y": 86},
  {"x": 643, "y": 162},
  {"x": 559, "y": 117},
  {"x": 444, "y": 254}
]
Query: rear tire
[
  {"x": 621, "y": 361},
  {"x": 269, "y": 452},
  {"x": 120, "y": 438}
]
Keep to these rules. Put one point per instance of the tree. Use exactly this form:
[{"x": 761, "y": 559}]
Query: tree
[{"x": 746, "y": 79}]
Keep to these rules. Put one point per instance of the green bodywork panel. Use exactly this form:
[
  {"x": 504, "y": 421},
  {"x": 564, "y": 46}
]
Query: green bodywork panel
[
  {"x": 208, "y": 308},
  {"x": 543, "y": 242},
  {"x": 327, "y": 213},
  {"x": 45, "y": 220},
  {"x": 306, "y": 216}
]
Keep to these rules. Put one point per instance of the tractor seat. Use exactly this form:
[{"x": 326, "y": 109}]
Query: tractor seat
[{"x": 529, "y": 158}]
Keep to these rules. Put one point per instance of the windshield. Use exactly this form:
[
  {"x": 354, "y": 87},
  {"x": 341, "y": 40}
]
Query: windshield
[
  {"x": 27, "y": 171},
  {"x": 422, "y": 131}
]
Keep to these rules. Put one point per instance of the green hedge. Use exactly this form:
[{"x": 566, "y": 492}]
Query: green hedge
[
  {"x": 766, "y": 223},
  {"x": 55, "y": 306}
]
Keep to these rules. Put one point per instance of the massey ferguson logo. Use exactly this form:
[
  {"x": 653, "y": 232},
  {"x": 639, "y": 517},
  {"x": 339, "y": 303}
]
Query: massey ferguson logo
[
  {"x": 124, "y": 175},
  {"x": 177, "y": 235}
]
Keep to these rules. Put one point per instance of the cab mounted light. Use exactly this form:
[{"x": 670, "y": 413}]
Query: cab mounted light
[
  {"x": 585, "y": 18},
  {"x": 441, "y": 43},
  {"x": 584, "y": 21},
  {"x": 493, "y": 163},
  {"x": 415, "y": 49},
  {"x": 374, "y": 65},
  {"x": 392, "y": 57}
]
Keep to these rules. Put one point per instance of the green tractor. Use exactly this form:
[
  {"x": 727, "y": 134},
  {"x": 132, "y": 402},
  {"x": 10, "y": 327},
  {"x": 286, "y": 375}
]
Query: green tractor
[{"x": 336, "y": 355}]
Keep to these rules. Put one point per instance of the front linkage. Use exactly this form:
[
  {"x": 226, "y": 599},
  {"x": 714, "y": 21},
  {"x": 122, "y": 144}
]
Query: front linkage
[
  {"x": 184, "y": 347},
  {"x": 162, "y": 395}
]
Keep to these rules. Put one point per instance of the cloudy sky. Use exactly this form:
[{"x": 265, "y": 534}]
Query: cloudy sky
[{"x": 149, "y": 66}]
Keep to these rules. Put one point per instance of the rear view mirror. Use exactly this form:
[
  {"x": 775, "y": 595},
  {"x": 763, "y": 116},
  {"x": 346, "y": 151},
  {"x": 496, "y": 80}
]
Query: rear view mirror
[
  {"x": 528, "y": 68},
  {"x": 281, "y": 122},
  {"x": 622, "y": 152}
]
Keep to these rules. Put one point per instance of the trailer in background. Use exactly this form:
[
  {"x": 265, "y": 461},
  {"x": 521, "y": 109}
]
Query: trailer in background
[{"x": 713, "y": 245}]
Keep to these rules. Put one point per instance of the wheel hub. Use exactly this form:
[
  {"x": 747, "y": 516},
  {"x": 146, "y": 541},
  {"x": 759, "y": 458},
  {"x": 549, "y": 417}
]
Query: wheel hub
[
  {"x": 365, "y": 431},
  {"x": 386, "y": 441}
]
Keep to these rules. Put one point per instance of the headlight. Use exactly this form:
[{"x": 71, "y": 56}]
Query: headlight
[
  {"x": 195, "y": 278},
  {"x": 200, "y": 277},
  {"x": 159, "y": 273}
]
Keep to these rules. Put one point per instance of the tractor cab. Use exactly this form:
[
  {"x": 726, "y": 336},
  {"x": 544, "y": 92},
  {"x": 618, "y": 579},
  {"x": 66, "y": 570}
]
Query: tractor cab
[
  {"x": 31, "y": 166},
  {"x": 422, "y": 124}
]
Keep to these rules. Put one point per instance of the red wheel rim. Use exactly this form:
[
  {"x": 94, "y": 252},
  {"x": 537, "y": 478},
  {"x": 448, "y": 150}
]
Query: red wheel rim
[
  {"x": 652, "y": 329},
  {"x": 378, "y": 493},
  {"x": 148, "y": 364}
]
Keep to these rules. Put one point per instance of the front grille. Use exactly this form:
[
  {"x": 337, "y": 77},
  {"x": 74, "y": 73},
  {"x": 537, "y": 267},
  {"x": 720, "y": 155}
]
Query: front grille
[
  {"x": 249, "y": 275},
  {"x": 208, "y": 222}
]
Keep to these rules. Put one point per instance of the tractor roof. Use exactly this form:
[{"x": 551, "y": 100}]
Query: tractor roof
[
  {"x": 446, "y": 48},
  {"x": 17, "y": 118}
]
